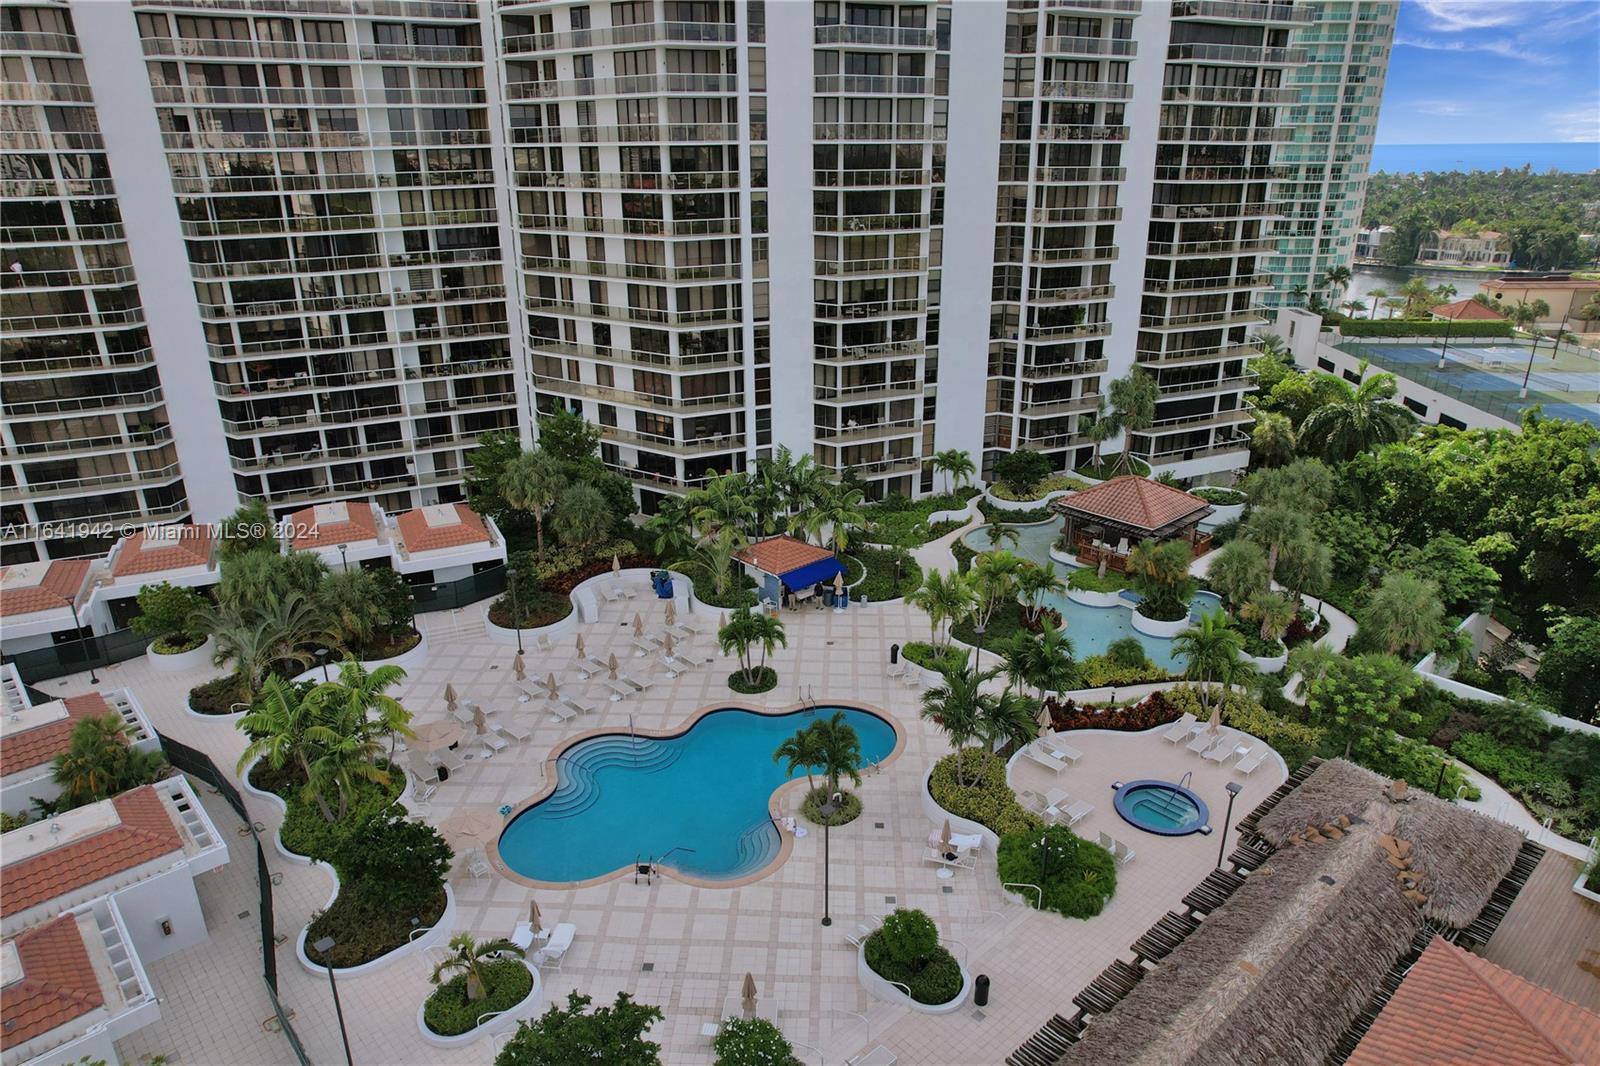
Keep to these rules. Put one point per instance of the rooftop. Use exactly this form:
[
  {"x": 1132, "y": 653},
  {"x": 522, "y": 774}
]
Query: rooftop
[
  {"x": 782, "y": 554},
  {"x": 27, "y": 588},
  {"x": 327, "y": 525},
  {"x": 36, "y": 735},
  {"x": 1469, "y": 310},
  {"x": 153, "y": 550},
  {"x": 1454, "y": 1007},
  {"x": 50, "y": 980},
  {"x": 1134, "y": 502},
  {"x": 439, "y": 526}
]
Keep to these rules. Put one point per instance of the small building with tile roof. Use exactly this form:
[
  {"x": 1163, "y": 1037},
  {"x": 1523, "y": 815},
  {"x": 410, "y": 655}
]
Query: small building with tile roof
[
  {"x": 787, "y": 563},
  {"x": 445, "y": 542},
  {"x": 1467, "y": 311},
  {"x": 37, "y": 601},
  {"x": 32, "y": 735},
  {"x": 183, "y": 554},
  {"x": 346, "y": 533},
  {"x": 1454, "y": 1007},
  {"x": 1104, "y": 522},
  {"x": 70, "y": 988}
]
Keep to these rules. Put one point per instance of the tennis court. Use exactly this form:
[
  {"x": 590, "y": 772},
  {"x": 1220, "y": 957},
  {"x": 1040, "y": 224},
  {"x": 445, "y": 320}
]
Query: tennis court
[{"x": 1489, "y": 374}]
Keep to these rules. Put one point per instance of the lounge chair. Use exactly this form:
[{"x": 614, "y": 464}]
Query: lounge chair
[
  {"x": 643, "y": 646},
  {"x": 639, "y": 684},
  {"x": 1061, "y": 748},
  {"x": 563, "y": 711},
  {"x": 513, "y": 731},
  {"x": 1180, "y": 730},
  {"x": 959, "y": 841},
  {"x": 1078, "y": 810},
  {"x": 555, "y": 949},
  {"x": 462, "y": 713},
  {"x": 1202, "y": 742},
  {"x": 576, "y": 707},
  {"x": 1046, "y": 758},
  {"x": 1248, "y": 764},
  {"x": 676, "y": 665},
  {"x": 421, "y": 788},
  {"x": 591, "y": 666},
  {"x": 960, "y": 862},
  {"x": 451, "y": 761},
  {"x": 680, "y": 632},
  {"x": 1031, "y": 800},
  {"x": 628, "y": 592},
  {"x": 913, "y": 677},
  {"x": 612, "y": 594},
  {"x": 477, "y": 865},
  {"x": 1223, "y": 751},
  {"x": 542, "y": 642},
  {"x": 896, "y": 669},
  {"x": 875, "y": 1056},
  {"x": 618, "y": 690},
  {"x": 1057, "y": 798},
  {"x": 522, "y": 935},
  {"x": 492, "y": 743},
  {"x": 1122, "y": 853},
  {"x": 690, "y": 626}
]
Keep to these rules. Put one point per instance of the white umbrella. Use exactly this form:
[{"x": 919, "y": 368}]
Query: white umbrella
[
  {"x": 519, "y": 668},
  {"x": 1215, "y": 725},
  {"x": 480, "y": 721},
  {"x": 666, "y": 644},
  {"x": 944, "y": 839},
  {"x": 475, "y": 827},
  {"x": 671, "y": 613},
  {"x": 616, "y": 566},
  {"x": 431, "y": 736},
  {"x": 534, "y": 918},
  {"x": 638, "y": 624},
  {"x": 749, "y": 995}
]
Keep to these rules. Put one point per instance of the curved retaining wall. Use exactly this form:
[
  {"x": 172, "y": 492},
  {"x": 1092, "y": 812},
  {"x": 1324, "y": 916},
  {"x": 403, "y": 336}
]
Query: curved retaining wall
[
  {"x": 1152, "y": 627},
  {"x": 937, "y": 814},
  {"x": 1267, "y": 664},
  {"x": 1025, "y": 505},
  {"x": 193, "y": 659},
  {"x": 585, "y": 597},
  {"x": 527, "y": 1008},
  {"x": 965, "y": 514},
  {"x": 1091, "y": 598},
  {"x": 405, "y": 660},
  {"x": 880, "y": 988}
]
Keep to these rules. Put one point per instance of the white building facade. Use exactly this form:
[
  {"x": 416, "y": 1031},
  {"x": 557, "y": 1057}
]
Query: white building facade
[{"x": 382, "y": 228}]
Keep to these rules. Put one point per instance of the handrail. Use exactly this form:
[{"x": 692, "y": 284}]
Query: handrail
[
  {"x": 966, "y": 953},
  {"x": 1039, "y": 904},
  {"x": 821, "y": 1061}
]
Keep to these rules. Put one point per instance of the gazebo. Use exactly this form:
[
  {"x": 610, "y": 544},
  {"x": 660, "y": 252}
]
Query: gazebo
[
  {"x": 783, "y": 562},
  {"x": 1105, "y": 521}
]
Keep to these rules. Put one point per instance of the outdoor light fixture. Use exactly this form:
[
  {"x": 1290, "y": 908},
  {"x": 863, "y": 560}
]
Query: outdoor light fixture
[
  {"x": 325, "y": 949},
  {"x": 516, "y": 615},
  {"x": 827, "y": 808},
  {"x": 1234, "y": 788}
]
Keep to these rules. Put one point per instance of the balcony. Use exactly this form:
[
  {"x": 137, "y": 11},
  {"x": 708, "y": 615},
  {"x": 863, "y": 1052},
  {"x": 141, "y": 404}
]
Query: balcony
[
  {"x": 633, "y": 271},
  {"x": 852, "y": 431},
  {"x": 1086, "y": 90},
  {"x": 861, "y": 352},
  {"x": 876, "y": 36},
  {"x": 1216, "y": 284},
  {"x": 1090, "y": 46},
  {"x": 872, "y": 84},
  {"x": 869, "y": 179},
  {"x": 1072, "y": 255},
  {"x": 1056, "y": 406},
  {"x": 1238, "y": 383},
  {"x": 654, "y": 360},
  {"x": 906, "y": 388},
  {"x": 633, "y": 227},
  {"x": 119, "y": 482},
  {"x": 733, "y": 401},
  {"x": 1237, "y": 416},
  {"x": 1064, "y": 370},
  {"x": 1078, "y": 175},
  {"x": 113, "y": 401},
  {"x": 899, "y": 265},
  {"x": 1197, "y": 356},
  {"x": 635, "y": 85},
  {"x": 1082, "y": 133},
  {"x": 1072, "y": 294},
  {"x": 1067, "y": 331},
  {"x": 1235, "y": 11},
  {"x": 866, "y": 223},
  {"x": 1242, "y": 317},
  {"x": 871, "y": 131},
  {"x": 622, "y": 37},
  {"x": 636, "y": 180},
  {"x": 711, "y": 316},
  {"x": 869, "y": 309},
  {"x": 727, "y": 442},
  {"x": 1245, "y": 54},
  {"x": 1236, "y": 246}
]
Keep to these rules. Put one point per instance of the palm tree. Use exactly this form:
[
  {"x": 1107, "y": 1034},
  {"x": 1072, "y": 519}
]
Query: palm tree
[
  {"x": 1034, "y": 583},
  {"x": 467, "y": 955},
  {"x": 1354, "y": 307},
  {"x": 1238, "y": 571},
  {"x": 364, "y": 694},
  {"x": 286, "y": 729},
  {"x": 944, "y": 596},
  {"x": 1310, "y": 663},
  {"x": 581, "y": 517},
  {"x": 1338, "y": 277},
  {"x": 1272, "y": 441},
  {"x": 807, "y": 484},
  {"x": 1590, "y": 311},
  {"x": 1419, "y": 296},
  {"x": 532, "y": 482},
  {"x": 953, "y": 706},
  {"x": 801, "y": 751},
  {"x": 101, "y": 761},
  {"x": 1305, "y": 568},
  {"x": 1404, "y": 614},
  {"x": 353, "y": 612},
  {"x": 1101, "y": 428},
  {"x": 956, "y": 465},
  {"x": 1000, "y": 534},
  {"x": 1358, "y": 420},
  {"x": 1006, "y": 718},
  {"x": 672, "y": 529},
  {"x": 993, "y": 581},
  {"x": 722, "y": 503},
  {"x": 1160, "y": 574},
  {"x": 1526, "y": 314},
  {"x": 1043, "y": 660},
  {"x": 1274, "y": 610},
  {"x": 715, "y": 556},
  {"x": 747, "y": 629},
  {"x": 840, "y": 748},
  {"x": 1275, "y": 525},
  {"x": 1134, "y": 400},
  {"x": 839, "y": 511},
  {"x": 349, "y": 754},
  {"x": 1298, "y": 293},
  {"x": 1210, "y": 651},
  {"x": 275, "y": 633},
  {"x": 1377, "y": 296}
]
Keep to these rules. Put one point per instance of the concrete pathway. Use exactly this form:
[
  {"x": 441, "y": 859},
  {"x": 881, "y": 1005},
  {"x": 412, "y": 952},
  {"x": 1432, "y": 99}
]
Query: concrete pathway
[{"x": 1502, "y": 806}]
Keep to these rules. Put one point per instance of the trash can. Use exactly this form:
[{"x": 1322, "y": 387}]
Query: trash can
[
  {"x": 894, "y": 653},
  {"x": 980, "y": 990}
]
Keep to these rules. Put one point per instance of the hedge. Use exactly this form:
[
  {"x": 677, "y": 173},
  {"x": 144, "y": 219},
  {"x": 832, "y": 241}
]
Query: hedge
[
  {"x": 1400, "y": 327},
  {"x": 990, "y": 802},
  {"x": 1076, "y": 885},
  {"x": 879, "y": 583},
  {"x": 1088, "y": 579},
  {"x": 448, "y": 1011},
  {"x": 942, "y": 659}
]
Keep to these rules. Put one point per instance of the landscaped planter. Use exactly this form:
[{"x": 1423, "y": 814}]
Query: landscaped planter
[
  {"x": 1026, "y": 505},
  {"x": 438, "y": 934},
  {"x": 1577, "y": 886},
  {"x": 1221, "y": 513},
  {"x": 1154, "y": 627},
  {"x": 937, "y": 814},
  {"x": 507, "y": 637},
  {"x": 193, "y": 659},
  {"x": 964, "y": 514},
  {"x": 882, "y": 988},
  {"x": 502, "y": 1022},
  {"x": 1267, "y": 664},
  {"x": 1092, "y": 598},
  {"x": 406, "y": 660}
]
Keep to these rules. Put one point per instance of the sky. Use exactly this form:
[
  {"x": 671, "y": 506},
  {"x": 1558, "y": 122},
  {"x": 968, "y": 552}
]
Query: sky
[{"x": 1493, "y": 71}]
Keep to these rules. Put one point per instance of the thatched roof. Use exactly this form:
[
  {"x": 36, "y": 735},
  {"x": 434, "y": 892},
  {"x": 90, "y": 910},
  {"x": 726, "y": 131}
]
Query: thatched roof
[{"x": 1277, "y": 973}]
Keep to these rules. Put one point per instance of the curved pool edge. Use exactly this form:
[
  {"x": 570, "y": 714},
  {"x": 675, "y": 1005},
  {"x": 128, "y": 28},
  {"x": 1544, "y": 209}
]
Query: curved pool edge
[{"x": 552, "y": 781}]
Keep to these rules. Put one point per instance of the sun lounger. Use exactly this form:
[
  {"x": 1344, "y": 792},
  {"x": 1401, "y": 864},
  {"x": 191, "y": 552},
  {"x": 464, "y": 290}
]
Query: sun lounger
[
  {"x": 895, "y": 669},
  {"x": 1061, "y": 748},
  {"x": 644, "y": 645},
  {"x": 1202, "y": 742},
  {"x": 1031, "y": 801},
  {"x": 877, "y": 1056},
  {"x": 639, "y": 684},
  {"x": 513, "y": 731},
  {"x": 1044, "y": 757},
  {"x": 1057, "y": 797},
  {"x": 618, "y": 690},
  {"x": 676, "y": 665},
  {"x": 492, "y": 743},
  {"x": 1122, "y": 853},
  {"x": 958, "y": 841},
  {"x": 576, "y": 707},
  {"x": 555, "y": 949},
  {"x": 960, "y": 862},
  {"x": 450, "y": 760},
  {"x": 1180, "y": 730},
  {"x": 1223, "y": 751},
  {"x": 612, "y": 594},
  {"x": 421, "y": 788},
  {"x": 477, "y": 865},
  {"x": 628, "y": 591},
  {"x": 1077, "y": 811},
  {"x": 690, "y": 626},
  {"x": 590, "y": 666},
  {"x": 522, "y": 935},
  {"x": 680, "y": 632},
  {"x": 1248, "y": 764},
  {"x": 561, "y": 712}
]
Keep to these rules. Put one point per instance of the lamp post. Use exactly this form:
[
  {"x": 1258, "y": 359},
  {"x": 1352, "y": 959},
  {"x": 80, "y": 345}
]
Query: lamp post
[
  {"x": 827, "y": 808},
  {"x": 83, "y": 642},
  {"x": 516, "y": 615},
  {"x": 1234, "y": 788},
  {"x": 323, "y": 655},
  {"x": 1449, "y": 325},
  {"x": 324, "y": 947},
  {"x": 1527, "y": 374},
  {"x": 344, "y": 560},
  {"x": 977, "y": 659}
]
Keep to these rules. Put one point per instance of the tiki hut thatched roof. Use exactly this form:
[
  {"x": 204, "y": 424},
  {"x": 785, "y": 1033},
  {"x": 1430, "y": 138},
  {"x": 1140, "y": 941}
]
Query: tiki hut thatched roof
[{"x": 1278, "y": 972}]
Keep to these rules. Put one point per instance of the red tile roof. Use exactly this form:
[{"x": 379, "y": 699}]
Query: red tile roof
[
  {"x": 146, "y": 833},
  {"x": 190, "y": 546},
  {"x": 39, "y": 745},
  {"x": 1454, "y": 1008},
  {"x": 58, "y": 982},
  {"x": 779, "y": 555},
  {"x": 1470, "y": 310},
  {"x": 359, "y": 526},
  {"x": 1133, "y": 501},
  {"x": 62, "y": 581},
  {"x": 418, "y": 536}
]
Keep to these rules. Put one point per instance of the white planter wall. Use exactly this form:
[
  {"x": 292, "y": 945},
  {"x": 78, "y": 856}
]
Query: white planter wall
[
  {"x": 1151, "y": 627},
  {"x": 937, "y": 814},
  {"x": 1267, "y": 664},
  {"x": 193, "y": 659},
  {"x": 881, "y": 988},
  {"x": 1091, "y": 598},
  {"x": 500, "y": 1023},
  {"x": 406, "y": 660},
  {"x": 1221, "y": 513},
  {"x": 1026, "y": 505}
]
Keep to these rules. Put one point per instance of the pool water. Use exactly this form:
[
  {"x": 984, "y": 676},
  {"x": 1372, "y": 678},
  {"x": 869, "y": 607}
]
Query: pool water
[
  {"x": 1158, "y": 807},
  {"x": 697, "y": 802},
  {"x": 1092, "y": 629}
]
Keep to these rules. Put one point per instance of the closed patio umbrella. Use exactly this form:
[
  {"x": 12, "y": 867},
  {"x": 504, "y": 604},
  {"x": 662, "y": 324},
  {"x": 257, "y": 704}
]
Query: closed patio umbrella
[
  {"x": 431, "y": 736},
  {"x": 1046, "y": 723},
  {"x": 582, "y": 651},
  {"x": 534, "y": 918},
  {"x": 550, "y": 683},
  {"x": 671, "y": 613},
  {"x": 1215, "y": 725},
  {"x": 611, "y": 664},
  {"x": 450, "y": 696},
  {"x": 944, "y": 839},
  {"x": 616, "y": 565},
  {"x": 838, "y": 584},
  {"x": 666, "y": 645},
  {"x": 480, "y": 721},
  {"x": 748, "y": 995},
  {"x": 519, "y": 667},
  {"x": 638, "y": 624}
]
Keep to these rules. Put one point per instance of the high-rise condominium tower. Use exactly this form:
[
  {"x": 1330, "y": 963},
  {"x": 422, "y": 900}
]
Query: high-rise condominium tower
[
  {"x": 1324, "y": 170},
  {"x": 367, "y": 231}
]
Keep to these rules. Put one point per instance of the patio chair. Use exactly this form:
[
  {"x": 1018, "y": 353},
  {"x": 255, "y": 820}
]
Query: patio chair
[
  {"x": 451, "y": 761},
  {"x": 462, "y": 713},
  {"x": 477, "y": 865},
  {"x": 874, "y": 1056},
  {"x": 580, "y": 708},
  {"x": 1248, "y": 764},
  {"x": 421, "y": 789},
  {"x": 1223, "y": 750},
  {"x": 1122, "y": 853},
  {"x": 896, "y": 669},
  {"x": 618, "y": 690},
  {"x": 1201, "y": 743},
  {"x": 1044, "y": 757},
  {"x": 1180, "y": 730},
  {"x": 555, "y": 949},
  {"x": 676, "y": 664},
  {"x": 1078, "y": 810},
  {"x": 1031, "y": 800},
  {"x": 968, "y": 861},
  {"x": 612, "y": 594},
  {"x": 628, "y": 591},
  {"x": 1057, "y": 798},
  {"x": 638, "y": 684},
  {"x": 542, "y": 642},
  {"x": 643, "y": 646},
  {"x": 522, "y": 935},
  {"x": 562, "y": 712},
  {"x": 513, "y": 731},
  {"x": 492, "y": 744},
  {"x": 1059, "y": 747},
  {"x": 913, "y": 678}
]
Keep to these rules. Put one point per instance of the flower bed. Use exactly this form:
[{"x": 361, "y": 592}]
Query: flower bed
[
  {"x": 1053, "y": 483},
  {"x": 987, "y": 799},
  {"x": 765, "y": 680},
  {"x": 849, "y": 809},
  {"x": 879, "y": 583},
  {"x": 391, "y": 646},
  {"x": 1152, "y": 711},
  {"x": 904, "y": 523},
  {"x": 540, "y": 608},
  {"x": 1089, "y": 579},
  {"x": 1075, "y": 877},
  {"x": 938, "y": 659},
  {"x": 448, "y": 1011},
  {"x": 905, "y": 950},
  {"x": 1112, "y": 466},
  {"x": 181, "y": 656},
  {"x": 220, "y": 695}
]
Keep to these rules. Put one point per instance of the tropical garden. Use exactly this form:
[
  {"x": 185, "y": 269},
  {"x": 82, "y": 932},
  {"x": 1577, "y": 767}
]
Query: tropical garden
[{"x": 829, "y": 747}]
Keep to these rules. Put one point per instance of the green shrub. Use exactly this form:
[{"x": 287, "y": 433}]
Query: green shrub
[
  {"x": 849, "y": 808},
  {"x": 1088, "y": 579},
  {"x": 1525, "y": 772},
  {"x": 219, "y": 695},
  {"x": 766, "y": 679},
  {"x": 1004, "y": 624},
  {"x": 395, "y": 862},
  {"x": 448, "y": 1012},
  {"x": 1113, "y": 466},
  {"x": 880, "y": 583},
  {"x": 1416, "y": 763},
  {"x": 991, "y": 513},
  {"x": 1295, "y": 741},
  {"x": 305, "y": 831},
  {"x": 534, "y": 607},
  {"x": 1053, "y": 483},
  {"x": 361, "y": 933},
  {"x": 1220, "y": 497},
  {"x": 752, "y": 1042},
  {"x": 1021, "y": 471},
  {"x": 1402, "y": 327},
  {"x": 906, "y": 949},
  {"x": 1100, "y": 671},
  {"x": 170, "y": 611},
  {"x": 899, "y": 522},
  {"x": 990, "y": 802},
  {"x": 963, "y": 555},
  {"x": 1128, "y": 652},
  {"x": 176, "y": 645},
  {"x": 1076, "y": 877},
  {"x": 945, "y": 659},
  {"x": 1253, "y": 644}
]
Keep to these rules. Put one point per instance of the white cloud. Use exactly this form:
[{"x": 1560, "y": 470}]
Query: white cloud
[
  {"x": 1457, "y": 16},
  {"x": 1503, "y": 48},
  {"x": 1444, "y": 108},
  {"x": 1580, "y": 123}
]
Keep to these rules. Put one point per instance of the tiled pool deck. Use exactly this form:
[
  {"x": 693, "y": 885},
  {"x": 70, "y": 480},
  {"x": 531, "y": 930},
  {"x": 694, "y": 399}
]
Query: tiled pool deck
[{"x": 683, "y": 947}]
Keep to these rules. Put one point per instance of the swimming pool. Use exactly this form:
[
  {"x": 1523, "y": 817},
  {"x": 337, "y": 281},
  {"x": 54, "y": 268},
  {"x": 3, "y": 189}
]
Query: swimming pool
[
  {"x": 1162, "y": 808},
  {"x": 1092, "y": 629},
  {"x": 696, "y": 802}
]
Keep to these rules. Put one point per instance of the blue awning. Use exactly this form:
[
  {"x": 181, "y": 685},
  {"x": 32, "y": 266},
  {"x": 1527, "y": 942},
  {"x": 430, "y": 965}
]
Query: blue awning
[{"x": 811, "y": 573}]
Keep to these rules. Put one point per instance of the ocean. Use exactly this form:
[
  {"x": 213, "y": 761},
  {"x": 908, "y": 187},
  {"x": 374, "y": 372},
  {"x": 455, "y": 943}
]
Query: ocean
[{"x": 1572, "y": 156}]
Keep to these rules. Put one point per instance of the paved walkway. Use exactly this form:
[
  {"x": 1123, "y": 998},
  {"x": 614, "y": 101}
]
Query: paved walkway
[
  {"x": 682, "y": 947},
  {"x": 1502, "y": 806}
]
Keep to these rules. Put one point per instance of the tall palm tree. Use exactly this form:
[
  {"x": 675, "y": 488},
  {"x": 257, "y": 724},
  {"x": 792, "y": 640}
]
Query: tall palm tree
[
  {"x": 276, "y": 633},
  {"x": 347, "y": 756},
  {"x": 1589, "y": 313},
  {"x": 1043, "y": 660},
  {"x": 839, "y": 511},
  {"x": 1006, "y": 717},
  {"x": 1378, "y": 296},
  {"x": 1001, "y": 535},
  {"x": 1272, "y": 441},
  {"x": 1338, "y": 277},
  {"x": 803, "y": 751},
  {"x": 365, "y": 698},
  {"x": 1297, "y": 293},
  {"x": 1134, "y": 400},
  {"x": 101, "y": 761},
  {"x": 1034, "y": 583},
  {"x": 533, "y": 482},
  {"x": 1310, "y": 663},
  {"x": 1275, "y": 525},
  {"x": 1159, "y": 572},
  {"x": 1358, "y": 420},
  {"x": 672, "y": 528},
  {"x": 944, "y": 596},
  {"x": 952, "y": 705},
  {"x": 737, "y": 635},
  {"x": 467, "y": 955},
  {"x": 1273, "y": 610},
  {"x": 581, "y": 517},
  {"x": 1305, "y": 568},
  {"x": 993, "y": 580},
  {"x": 1102, "y": 427},
  {"x": 287, "y": 729},
  {"x": 1210, "y": 651},
  {"x": 840, "y": 748},
  {"x": 1404, "y": 614},
  {"x": 1238, "y": 571},
  {"x": 1527, "y": 313},
  {"x": 1354, "y": 307},
  {"x": 1419, "y": 296},
  {"x": 807, "y": 485},
  {"x": 721, "y": 504},
  {"x": 956, "y": 465},
  {"x": 715, "y": 556}
]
